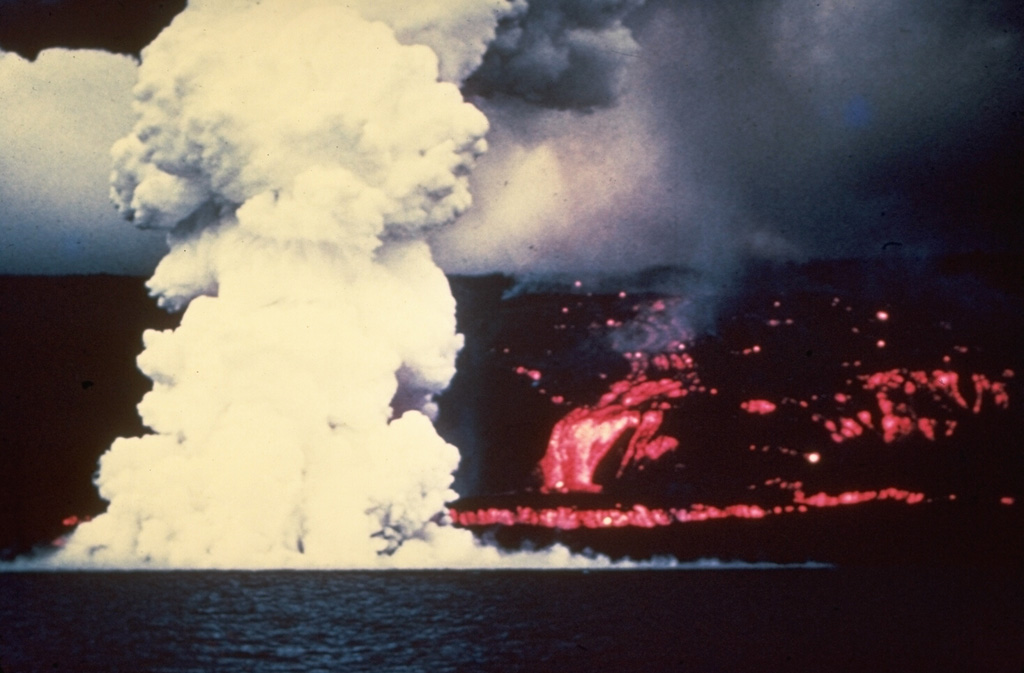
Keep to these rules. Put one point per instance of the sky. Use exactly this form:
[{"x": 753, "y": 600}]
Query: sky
[{"x": 694, "y": 134}]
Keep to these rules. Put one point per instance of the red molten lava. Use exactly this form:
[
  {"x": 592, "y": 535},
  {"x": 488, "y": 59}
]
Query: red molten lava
[
  {"x": 898, "y": 395},
  {"x": 74, "y": 520},
  {"x": 633, "y": 408},
  {"x": 758, "y": 407},
  {"x": 856, "y": 497},
  {"x": 570, "y": 518},
  {"x": 68, "y": 522}
]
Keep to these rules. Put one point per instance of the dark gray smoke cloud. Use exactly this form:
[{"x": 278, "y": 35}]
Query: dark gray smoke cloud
[
  {"x": 559, "y": 53},
  {"x": 842, "y": 126},
  {"x": 782, "y": 130}
]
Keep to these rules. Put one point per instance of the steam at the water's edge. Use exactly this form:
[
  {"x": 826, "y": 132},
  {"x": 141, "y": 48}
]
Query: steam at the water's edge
[
  {"x": 291, "y": 408},
  {"x": 479, "y": 557}
]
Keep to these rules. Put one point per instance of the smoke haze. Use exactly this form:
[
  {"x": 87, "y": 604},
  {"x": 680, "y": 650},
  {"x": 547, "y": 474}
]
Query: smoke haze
[{"x": 763, "y": 130}]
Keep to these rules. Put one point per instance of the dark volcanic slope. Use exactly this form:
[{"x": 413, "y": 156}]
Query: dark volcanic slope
[
  {"x": 70, "y": 387},
  {"x": 807, "y": 338},
  {"x": 821, "y": 337}
]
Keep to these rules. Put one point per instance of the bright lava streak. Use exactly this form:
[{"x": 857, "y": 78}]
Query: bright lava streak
[
  {"x": 570, "y": 518},
  {"x": 631, "y": 411},
  {"x": 758, "y": 407}
]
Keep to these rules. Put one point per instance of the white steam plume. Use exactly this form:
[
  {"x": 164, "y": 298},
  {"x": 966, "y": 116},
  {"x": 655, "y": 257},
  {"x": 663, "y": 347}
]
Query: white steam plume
[
  {"x": 295, "y": 153},
  {"x": 459, "y": 31}
]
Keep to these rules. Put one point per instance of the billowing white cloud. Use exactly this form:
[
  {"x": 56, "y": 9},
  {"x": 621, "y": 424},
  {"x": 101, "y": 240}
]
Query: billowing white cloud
[
  {"x": 459, "y": 31},
  {"x": 295, "y": 154}
]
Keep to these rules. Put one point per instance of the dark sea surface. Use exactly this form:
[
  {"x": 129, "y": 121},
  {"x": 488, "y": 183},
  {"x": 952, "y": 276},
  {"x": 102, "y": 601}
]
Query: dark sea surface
[{"x": 937, "y": 619}]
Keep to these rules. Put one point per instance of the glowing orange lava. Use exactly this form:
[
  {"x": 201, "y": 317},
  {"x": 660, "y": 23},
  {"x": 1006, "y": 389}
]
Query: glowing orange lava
[
  {"x": 631, "y": 411},
  {"x": 570, "y": 518},
  {"x": 758, "y": 407},
  {"x": 899, "y": 393}
]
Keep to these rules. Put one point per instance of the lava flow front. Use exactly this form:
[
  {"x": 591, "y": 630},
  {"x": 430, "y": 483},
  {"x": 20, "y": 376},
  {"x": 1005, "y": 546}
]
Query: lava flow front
[{"x": 629, "y": 414}]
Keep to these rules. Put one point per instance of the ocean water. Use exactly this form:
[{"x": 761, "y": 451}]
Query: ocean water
[{"x": 944, "y": 619}]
